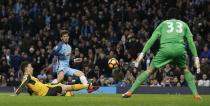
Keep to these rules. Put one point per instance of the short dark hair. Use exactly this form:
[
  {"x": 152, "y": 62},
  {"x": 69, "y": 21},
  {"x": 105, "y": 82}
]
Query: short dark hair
[
  {"x": 172, "y": 13},
  {"x": 63, "y": 32},
  {"x": 24, "y": 65}
]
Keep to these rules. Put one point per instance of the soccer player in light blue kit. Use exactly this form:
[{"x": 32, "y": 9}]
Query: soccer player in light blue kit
[{"x": 63, "y": 52}]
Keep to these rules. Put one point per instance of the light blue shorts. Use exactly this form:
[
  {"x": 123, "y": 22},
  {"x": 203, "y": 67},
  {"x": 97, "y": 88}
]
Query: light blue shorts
[{"x": 66, "y": 70}]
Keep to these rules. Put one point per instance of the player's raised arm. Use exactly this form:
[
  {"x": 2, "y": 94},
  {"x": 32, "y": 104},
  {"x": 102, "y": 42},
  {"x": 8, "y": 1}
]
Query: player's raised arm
[
  {"x": 26, "y": 79},
  {"x": 192, "y": 47},
  {"x": 150, "y": 42}
]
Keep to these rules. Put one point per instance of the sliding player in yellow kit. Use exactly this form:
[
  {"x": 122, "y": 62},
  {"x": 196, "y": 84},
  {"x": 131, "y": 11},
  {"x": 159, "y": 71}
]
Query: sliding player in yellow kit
[
  {"x": 172, "y": 34},
  {"x": 38, "y": 88}
]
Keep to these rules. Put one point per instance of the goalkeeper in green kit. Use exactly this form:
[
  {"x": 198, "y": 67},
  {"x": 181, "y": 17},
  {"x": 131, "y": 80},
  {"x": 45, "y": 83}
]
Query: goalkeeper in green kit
[{"x": 172, "y": 34}]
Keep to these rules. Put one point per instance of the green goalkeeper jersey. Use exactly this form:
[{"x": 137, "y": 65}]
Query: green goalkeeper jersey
[{"x": 172, "y": 31}]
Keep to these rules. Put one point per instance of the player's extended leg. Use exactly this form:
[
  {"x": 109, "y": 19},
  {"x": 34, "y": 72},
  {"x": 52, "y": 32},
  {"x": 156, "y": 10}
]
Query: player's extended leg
[
  {"x": 139, "y": 80},
  {"x": 181, "y": 62},
  {"x": 74, "y": 87},
  {"x": 81, "y": 76},
  {"x": 57, "y": 90},
  {"x": 158, "y": 61},
  {"x": 191, "y": 83},
  {"x": 83, "y": 79}
]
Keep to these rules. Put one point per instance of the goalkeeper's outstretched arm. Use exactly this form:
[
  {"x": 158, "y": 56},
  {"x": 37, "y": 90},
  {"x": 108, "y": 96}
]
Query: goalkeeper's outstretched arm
[{"x": 150, "y": 42}]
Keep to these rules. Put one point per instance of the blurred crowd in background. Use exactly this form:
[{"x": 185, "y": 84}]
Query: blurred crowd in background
[{"x": 99, "y": 30}]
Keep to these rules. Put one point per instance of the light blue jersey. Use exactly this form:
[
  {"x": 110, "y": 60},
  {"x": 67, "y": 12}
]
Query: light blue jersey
[{"x": 63, "y": 61}]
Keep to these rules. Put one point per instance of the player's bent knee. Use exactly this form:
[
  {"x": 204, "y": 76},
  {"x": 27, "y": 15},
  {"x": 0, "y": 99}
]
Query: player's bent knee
[
  {"x": 79, "y": 73},
  {"x": 150, "y": 70},
  {"x": 186, "y": 69}
]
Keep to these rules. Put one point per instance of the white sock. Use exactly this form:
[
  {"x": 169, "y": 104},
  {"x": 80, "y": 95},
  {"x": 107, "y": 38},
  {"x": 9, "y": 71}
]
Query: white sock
[
  {"x": 55, "y": 81},
  {"x": 83, "y": 79}
]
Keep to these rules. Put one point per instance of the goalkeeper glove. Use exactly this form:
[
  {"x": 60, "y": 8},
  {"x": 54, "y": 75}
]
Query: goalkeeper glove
[{"x": 197, "y": 64}]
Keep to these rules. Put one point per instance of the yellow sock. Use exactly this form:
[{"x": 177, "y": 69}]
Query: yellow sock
[
  {"x": 79, "y": 86},
  {"x": 68, "y": 93}
]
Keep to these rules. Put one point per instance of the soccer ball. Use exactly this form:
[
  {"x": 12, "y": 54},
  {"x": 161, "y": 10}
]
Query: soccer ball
[{"x": 113, "y": 63}]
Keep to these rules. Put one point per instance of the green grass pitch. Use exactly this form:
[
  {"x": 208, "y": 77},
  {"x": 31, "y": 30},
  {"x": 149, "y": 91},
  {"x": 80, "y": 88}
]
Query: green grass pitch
[{"x": 103, "y": 100}]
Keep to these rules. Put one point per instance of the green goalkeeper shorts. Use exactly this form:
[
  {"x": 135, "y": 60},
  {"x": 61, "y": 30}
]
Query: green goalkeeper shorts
[{"x": 167, "y": 53}]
